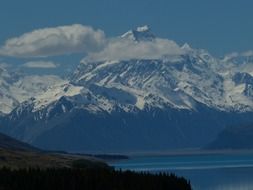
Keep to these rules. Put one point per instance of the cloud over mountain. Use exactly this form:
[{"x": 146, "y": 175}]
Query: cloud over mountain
[
  {"x": 40, "y": 64},
  {"x": 54, "y": 41},
  {"x": 126, "y": 49},
  {"x": 139, "y": 43}
]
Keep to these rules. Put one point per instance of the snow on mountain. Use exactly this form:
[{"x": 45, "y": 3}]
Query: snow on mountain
[
  {"x": 140, "y": 87},
  {"x": 173, "y": 80},
  {"x": 16, "y": 88},
  {"x": 33, "y": 86},
  {"x": 7, "y": 101},
  {"x": 136, "y": 44},
  {"x": 236, "y": 62},
  {"x": 54, "y": 93},
  {"x": 176, "y": 80},
  {"x": 179, "y": 77},
  {"x": 237, "y": 71},
  {"x": 142, "y": 33}
]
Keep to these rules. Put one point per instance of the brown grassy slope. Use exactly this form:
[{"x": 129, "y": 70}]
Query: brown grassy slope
[{"x": 15, "y": 154}]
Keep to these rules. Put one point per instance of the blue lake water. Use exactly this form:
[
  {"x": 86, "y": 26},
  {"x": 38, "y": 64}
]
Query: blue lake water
[{"x": 206, "y": 172}]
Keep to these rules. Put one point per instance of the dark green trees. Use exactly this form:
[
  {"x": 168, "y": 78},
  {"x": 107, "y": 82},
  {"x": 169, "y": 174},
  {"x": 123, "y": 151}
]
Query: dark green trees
[{"x": 88, "y": 179}]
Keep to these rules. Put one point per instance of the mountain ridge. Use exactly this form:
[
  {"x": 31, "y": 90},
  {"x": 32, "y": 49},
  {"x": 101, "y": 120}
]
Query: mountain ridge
[
  {"x": 184, "y": 96},
  {"x": 9, "y": 143}
]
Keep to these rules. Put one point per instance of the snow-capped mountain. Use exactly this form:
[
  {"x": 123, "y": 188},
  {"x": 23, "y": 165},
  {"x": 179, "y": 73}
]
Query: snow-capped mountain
[
  {"x": 140, "y": 34},
  {"x": 7, "y": 101},
  {"x": 178, "y": 81},
  {"x": 16, "y": 88},
  {"x": 140, "y": 93}
]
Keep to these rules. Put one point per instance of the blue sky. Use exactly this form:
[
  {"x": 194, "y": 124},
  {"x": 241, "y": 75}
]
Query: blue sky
[{"x": 219, "y": 26}]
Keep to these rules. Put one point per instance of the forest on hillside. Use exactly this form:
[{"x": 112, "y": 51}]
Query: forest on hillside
[{"x": 88, "y": 179}]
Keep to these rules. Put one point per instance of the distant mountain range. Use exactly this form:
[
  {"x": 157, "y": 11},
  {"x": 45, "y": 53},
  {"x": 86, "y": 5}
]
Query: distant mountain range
[{"x": 153, "y": 95}]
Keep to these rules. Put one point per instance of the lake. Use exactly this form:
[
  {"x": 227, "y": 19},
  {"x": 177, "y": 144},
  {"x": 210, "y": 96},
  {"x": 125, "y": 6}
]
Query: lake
[{"x": 206, "y": 172}]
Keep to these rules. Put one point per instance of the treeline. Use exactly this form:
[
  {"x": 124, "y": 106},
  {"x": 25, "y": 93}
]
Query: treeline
[{"x": 88, "y": 179}]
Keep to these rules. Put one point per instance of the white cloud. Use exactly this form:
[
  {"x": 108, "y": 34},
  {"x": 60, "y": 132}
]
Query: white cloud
[
  {"x": 126, "y": 49},
  {"x": 233, "y": 55},
  {"x": 4, "y": 65},
  {"x": 54, "y": 41},
  {"x": 248, "y": 53},
  {"x": 230, "y": 56},
  {"x": 41, "y": 64}
]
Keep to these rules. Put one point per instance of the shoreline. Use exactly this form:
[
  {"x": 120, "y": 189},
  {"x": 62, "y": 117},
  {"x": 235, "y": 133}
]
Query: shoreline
[{"x": 187, "y": 152}]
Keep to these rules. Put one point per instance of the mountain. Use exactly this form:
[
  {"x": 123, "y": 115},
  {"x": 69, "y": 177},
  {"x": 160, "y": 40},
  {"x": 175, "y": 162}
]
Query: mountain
[
  {"x": 16, "y": 88},
  {"x": 9, "y": 143},
  {"x": 235, "y": 137},
  {"x": 142, "y": 33},
  {"x": 142, "y": 93},
  {"x": 7, "y": 101},
  {"x": 16, "y": 154}
]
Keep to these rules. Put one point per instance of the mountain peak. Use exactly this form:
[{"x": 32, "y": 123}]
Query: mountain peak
[
  {"x": 141, "y": 33},
  {"x": 187, "y": 47},
  {"x": 144, "y": 28}
]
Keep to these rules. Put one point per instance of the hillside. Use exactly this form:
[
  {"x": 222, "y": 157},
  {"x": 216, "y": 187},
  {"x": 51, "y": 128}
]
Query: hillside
[
  {"x": 23, "y": 167},
  {"x": 236, "y": 137},
  {"x": 9, "y": 143},
  {"x": 16, "y": 154}
]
